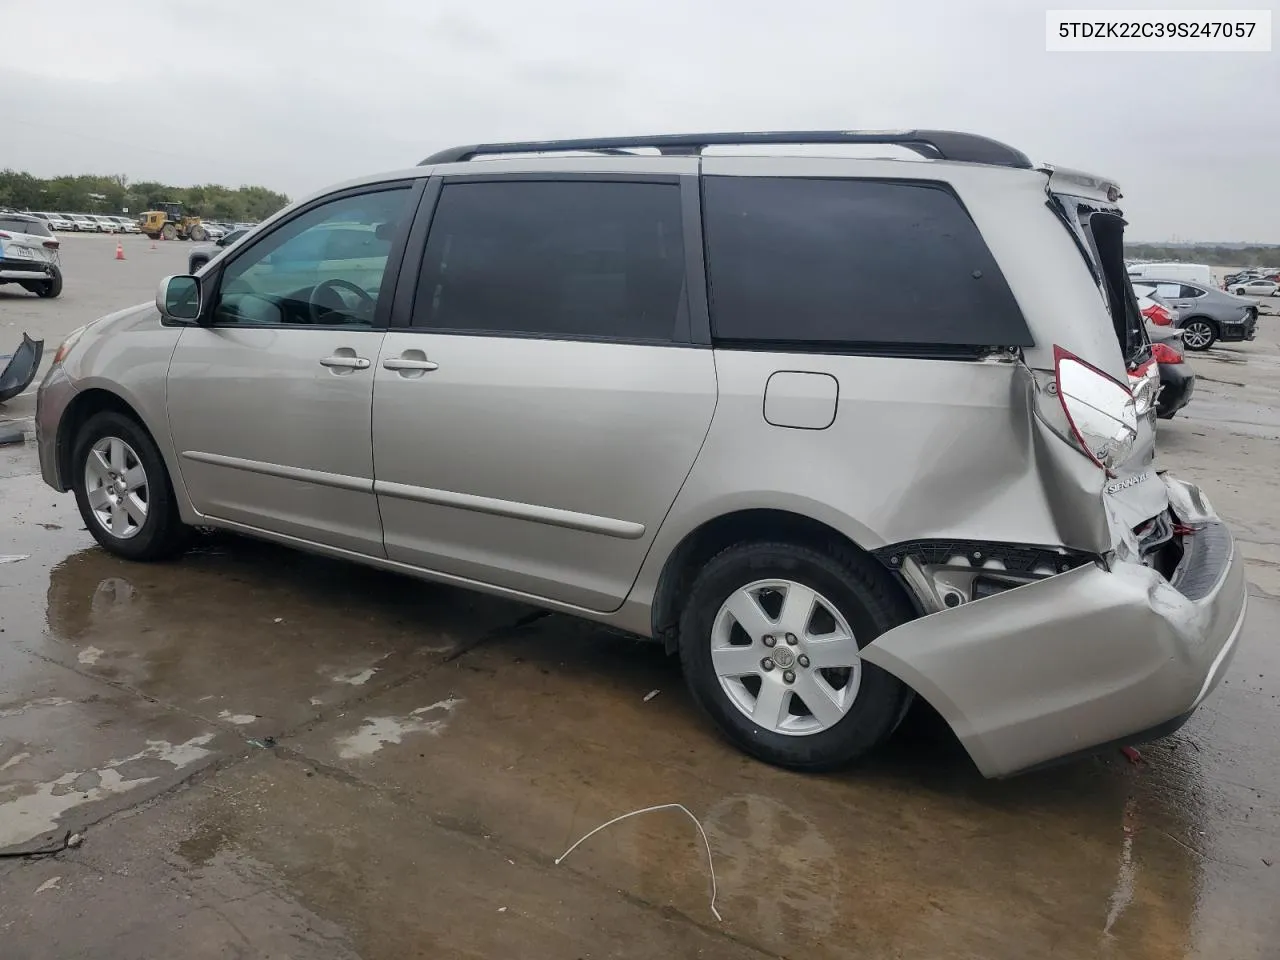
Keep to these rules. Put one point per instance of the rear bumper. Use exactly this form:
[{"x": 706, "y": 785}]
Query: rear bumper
[
  {"x": 1083, "y": 659},
  {"x": 12, "y": 268},
  {"x": 1246, "y": 328},
  {"x": 1177, "y": 384}
]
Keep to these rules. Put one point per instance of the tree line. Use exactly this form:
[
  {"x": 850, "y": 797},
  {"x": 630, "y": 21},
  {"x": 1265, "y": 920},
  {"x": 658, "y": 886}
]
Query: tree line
[
  {"x": 1212, "y": 254},
  {"x": 116, "y": 194}
]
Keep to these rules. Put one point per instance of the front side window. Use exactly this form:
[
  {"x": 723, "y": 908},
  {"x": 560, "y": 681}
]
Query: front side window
[
  {"x": 572, "y": 259},
  {"x": 323, "y": 268},
  {"x": 814, "y": 261}
]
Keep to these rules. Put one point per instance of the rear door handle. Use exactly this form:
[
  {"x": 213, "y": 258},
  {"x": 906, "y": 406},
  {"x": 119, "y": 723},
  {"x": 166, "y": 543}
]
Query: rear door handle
[
  {"x": 400, "y": 363},
  {"x": 350, "y": 363}
]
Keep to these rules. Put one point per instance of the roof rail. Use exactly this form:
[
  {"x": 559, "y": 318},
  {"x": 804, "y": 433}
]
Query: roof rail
[{"x": 934, "y": 144}]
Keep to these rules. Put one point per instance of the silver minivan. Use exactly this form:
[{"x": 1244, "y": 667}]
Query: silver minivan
[{"x": 810, "y": 421}]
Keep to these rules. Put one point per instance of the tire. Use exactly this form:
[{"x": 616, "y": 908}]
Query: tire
[
  {"x": 859, "y": 592},
  {"x": 1240, "y": 291},
  {"x": 198, "y": 234},
  {"x": 195, "y": 264},
  {"x": 161, "y": 533},
  {"x": 1199, "y": 334},
  {"x": 168, "y": 231},
  {"x": 48, "y": 289}
]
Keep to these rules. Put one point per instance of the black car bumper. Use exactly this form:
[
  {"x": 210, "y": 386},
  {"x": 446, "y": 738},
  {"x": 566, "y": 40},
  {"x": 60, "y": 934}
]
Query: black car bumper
[
  {"x": 1177, "y": 383},
  {"x": 1246, "y": 328},
  {"x": 11, "y": 268}
]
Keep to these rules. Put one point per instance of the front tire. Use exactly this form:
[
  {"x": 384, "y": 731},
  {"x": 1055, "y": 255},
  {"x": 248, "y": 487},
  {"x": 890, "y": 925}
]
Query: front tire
[
  {"x": 123, "y": 491},
  {"x": 770, "y": 641},
  {"x": 1199, "y": 334},
  {"x": 168, "y": 231}
]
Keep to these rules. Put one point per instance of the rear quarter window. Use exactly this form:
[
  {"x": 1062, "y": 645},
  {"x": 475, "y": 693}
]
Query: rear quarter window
[{"x": 852, "y": 262}]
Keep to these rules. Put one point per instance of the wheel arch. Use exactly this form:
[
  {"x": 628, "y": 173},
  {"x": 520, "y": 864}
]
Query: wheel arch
[
  {"x": 86, "y": 403},
  {"x": 742, "y": 525}
]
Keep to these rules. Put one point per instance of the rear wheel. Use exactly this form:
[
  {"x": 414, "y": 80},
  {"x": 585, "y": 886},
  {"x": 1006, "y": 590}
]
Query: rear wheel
[
  {"x": 770, "y": 643},
  {"x": 196, "y": 263},
  {"x": 48, "y": 289},
  {"x": 1240, "y": 291},
  {"x": 1199, "y": 334},
  {"x": 122, "y": 489}
]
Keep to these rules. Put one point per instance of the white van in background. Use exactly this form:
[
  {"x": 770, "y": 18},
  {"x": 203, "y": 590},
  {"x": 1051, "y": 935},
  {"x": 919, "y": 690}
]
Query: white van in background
[{"x": 1194, "y": 272}]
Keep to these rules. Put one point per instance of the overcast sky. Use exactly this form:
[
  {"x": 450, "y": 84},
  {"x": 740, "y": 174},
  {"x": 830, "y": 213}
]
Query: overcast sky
[{"x": 296, "y": 94}]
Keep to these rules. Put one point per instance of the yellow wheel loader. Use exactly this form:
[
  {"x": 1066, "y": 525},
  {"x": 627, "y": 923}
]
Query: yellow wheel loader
[{"x": 167, "y": 221}]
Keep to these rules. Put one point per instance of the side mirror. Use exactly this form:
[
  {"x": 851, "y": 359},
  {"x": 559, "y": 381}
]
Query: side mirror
[{"x": 179, "y": 298}]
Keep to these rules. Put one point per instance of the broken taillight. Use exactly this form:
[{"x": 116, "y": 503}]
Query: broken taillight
[
  {"x": 1101, "y": 410},
  {"x": 1163, "y": 353},
  {"x": 1158, "y": 315}
]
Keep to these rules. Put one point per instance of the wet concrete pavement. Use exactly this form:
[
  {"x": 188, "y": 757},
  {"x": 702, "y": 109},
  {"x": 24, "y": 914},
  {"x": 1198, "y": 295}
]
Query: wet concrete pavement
[{"x": 274, "y": 755}]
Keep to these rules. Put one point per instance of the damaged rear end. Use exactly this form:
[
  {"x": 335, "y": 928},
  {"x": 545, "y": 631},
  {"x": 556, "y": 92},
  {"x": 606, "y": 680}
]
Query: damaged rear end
[{"x": 1114, "y": 633}]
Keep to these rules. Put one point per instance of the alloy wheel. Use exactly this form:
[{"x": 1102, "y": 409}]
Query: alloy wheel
[
  {"x": 1197, "y": 335},
  {"x": 116, "y": 485},
  {"x": 785, "y": 657}
]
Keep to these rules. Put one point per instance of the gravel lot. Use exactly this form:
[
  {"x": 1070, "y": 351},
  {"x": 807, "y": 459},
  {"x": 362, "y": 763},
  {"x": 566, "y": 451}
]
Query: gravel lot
[{"x": 275, "y": 755}]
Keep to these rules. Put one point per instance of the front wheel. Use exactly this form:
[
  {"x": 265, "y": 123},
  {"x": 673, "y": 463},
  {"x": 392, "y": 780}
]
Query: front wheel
[
  {"x": 168, "y": 231},
  {"x": 198, "y": 234},
  {"x": 122, "y": 489},
  {"x": 1199, "y": 334},
  {"x": 771, "y": 641}
]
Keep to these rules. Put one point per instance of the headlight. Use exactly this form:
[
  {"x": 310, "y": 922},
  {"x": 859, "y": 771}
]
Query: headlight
[{"x": 65, "y": 347}]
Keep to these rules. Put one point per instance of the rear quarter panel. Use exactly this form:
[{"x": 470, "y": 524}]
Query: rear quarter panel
[{"x": 918, "y": 449}]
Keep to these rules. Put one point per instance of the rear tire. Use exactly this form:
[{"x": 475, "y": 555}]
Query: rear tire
[
  {"x": 847, "y": 587},
  {"x": 138, "y": 520},
  {"x": 47, "y": 289},
  {"x": 1199, "y": 334},
  {"x": 196, "y": 263}
]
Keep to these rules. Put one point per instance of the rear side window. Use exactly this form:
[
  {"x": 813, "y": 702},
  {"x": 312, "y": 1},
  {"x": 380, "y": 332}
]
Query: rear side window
[
  {"x": 852, "y": 262},
  {"x": 575, "y": 258}
]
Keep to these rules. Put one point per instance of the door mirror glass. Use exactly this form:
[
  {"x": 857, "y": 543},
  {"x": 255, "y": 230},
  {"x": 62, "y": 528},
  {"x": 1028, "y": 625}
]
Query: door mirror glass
[{"x": 179, "y": 298}]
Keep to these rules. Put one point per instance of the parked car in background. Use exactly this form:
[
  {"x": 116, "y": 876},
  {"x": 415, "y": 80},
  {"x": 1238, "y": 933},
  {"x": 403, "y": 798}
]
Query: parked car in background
[
  {"x": 1014, "y": 559},
  {"x": 124, "y": 224},
  {"x": 72, "y": 225},
  {"x": 105, "y": 224},
  {"x": 1204, "y": 313},
  {"x": 85, "y": 223},
  {"x": 56, "y": 221},
  {"x": 1193, "y": 272},
  {"x": 202, "y": 253},
  {"x": 1256, "y": 287},
  {"x": 1177, "y": 379},
  {"x": 214, "y": 231},
  {"x": 29, "y": 255}
]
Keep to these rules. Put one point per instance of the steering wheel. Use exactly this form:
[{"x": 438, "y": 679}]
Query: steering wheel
[{"x": 318, "y": 307}]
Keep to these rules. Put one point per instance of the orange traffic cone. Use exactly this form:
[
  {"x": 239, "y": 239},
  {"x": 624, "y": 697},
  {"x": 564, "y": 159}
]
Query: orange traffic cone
[{"x": 119, "y": 250}]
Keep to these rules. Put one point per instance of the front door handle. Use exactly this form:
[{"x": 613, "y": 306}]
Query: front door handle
[
  {"x": 403, "y": 363},
  {"x": 349, "y": 363}
]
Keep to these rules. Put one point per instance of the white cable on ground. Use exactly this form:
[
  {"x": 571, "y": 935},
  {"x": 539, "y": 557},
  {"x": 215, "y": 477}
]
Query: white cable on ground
[{"x": 661, "y": 806}]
